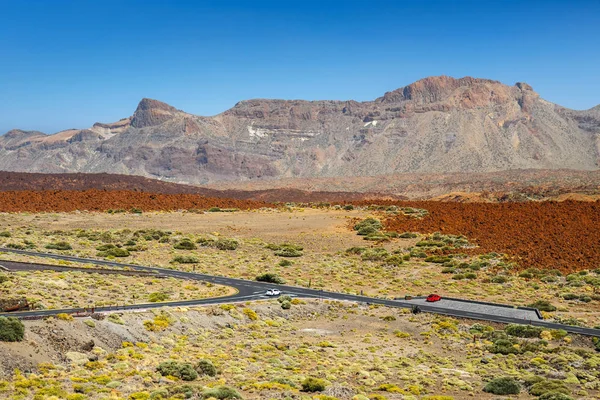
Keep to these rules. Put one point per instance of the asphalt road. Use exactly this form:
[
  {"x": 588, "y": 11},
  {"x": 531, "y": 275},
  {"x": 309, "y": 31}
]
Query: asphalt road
[{"x": 252, "y": 290}]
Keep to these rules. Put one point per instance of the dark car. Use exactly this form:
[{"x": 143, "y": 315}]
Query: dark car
[{"x": 433, "y": 297}]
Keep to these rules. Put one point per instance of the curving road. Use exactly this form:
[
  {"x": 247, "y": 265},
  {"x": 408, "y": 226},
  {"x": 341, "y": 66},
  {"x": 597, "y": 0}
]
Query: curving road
[{"x": 252, "y": 290}]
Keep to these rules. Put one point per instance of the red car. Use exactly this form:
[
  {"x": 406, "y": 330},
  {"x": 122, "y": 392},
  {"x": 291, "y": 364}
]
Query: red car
[{"x": 433, "y": 297}]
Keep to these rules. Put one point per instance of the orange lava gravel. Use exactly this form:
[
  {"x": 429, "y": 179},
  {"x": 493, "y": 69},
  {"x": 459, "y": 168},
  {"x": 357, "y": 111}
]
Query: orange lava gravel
[{"x": 546, "y": 235}]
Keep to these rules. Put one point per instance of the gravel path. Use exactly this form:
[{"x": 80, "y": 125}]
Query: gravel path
[{"x": 480, "y": 308}]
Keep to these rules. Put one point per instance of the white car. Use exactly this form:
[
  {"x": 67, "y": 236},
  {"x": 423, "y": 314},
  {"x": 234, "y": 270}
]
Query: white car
[{"x": 273, "y": 292}]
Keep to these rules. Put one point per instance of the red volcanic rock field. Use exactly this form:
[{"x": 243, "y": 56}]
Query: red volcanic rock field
[
  {"x": 546, "y": 235},
  {"x": 100, "y": 200}
]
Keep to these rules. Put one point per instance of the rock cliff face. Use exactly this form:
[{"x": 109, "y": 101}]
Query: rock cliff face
[{"x": 437, "y": 124}]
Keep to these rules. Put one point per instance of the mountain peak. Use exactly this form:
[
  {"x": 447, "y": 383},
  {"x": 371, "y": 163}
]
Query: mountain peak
[
  {"x": 152, "y": 112},
  {"x": 433, "y": 89}
]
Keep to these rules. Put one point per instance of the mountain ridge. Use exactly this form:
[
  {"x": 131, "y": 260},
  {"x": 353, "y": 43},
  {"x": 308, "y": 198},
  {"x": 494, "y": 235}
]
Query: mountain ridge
[{"x": 436, "y": 124}]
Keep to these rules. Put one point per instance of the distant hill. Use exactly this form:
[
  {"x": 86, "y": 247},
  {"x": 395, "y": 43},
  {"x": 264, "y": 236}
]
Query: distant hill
[{"x": 435, "y": 125}]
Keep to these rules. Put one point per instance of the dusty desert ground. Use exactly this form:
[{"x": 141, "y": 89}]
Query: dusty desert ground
[{"x": 266, "y": 352}]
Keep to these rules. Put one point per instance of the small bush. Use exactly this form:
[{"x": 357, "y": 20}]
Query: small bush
[
  {"x": 437, "y": 259},
  {"x": 187, "y": 391},
  {"x": 523, "y": 331},
  {"x": 377, "y": 254},
  {"x": 221, "y": 393},
  {"x": 227, "y": 244},
  {"x": 408, "y": 235},
  {"x": 312, "y": 385},
  {"x": 585, "y": 298},
  {"x": 185, "y": 244},
  {"x": 499, "y": 279},
  {"x": 288, "y": 251},
  {"x": 548, "y": 386},
  {"x": 185, "y": 260},
  {"x": 285, "y": 263},
  {"x": 5, "y": 234},
  {"x": 113, "y": 252},
  {"x": 368, "y": 225},
  {"x": 503, "y": 346},
  {"x": 270, "y": 277},
  {"x": 3, "y": 278},
  {"x": 183, "y": 371},
  {"x": 59, "y": 246},
  {"x": 286, "y": 305},
  {"x": 64, "y": 317},
  {"x": 158, "y": 297},
  {"x": 502, "y": 386},
  {"x": 543, "y": 305},
  {"x": 555, "y": 396},
  {"x": 570, "y": 296},
  {"x": 356, "y": 250},
  {"x": 206, "y": 367},
  {"x": 11, "y": 329}
]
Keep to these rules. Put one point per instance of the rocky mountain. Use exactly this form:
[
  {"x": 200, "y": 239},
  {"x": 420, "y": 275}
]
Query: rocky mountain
[{"x": 435, "y": 125}]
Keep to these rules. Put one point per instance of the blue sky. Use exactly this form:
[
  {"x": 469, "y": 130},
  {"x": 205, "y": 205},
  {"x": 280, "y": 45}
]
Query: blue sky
[{"x": 67, "y": 64}]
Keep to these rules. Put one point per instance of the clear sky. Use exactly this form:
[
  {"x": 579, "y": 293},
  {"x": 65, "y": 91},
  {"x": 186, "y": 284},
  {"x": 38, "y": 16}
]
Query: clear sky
[{"x": 67, "y": 64}]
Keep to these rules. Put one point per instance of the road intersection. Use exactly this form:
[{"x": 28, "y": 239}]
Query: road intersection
[{"x": 251, "y": 290}]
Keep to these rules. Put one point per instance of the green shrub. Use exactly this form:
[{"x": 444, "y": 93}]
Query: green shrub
[
  {"x": 5, "y": 234},
  {"x": 480, "y": 329},
  {"x": 288, "y": 251},
  {"x": 408, "y": 235},
  {"x": 395, "y": 260},
  {"x": 286, "y": 305},
  {"x": 285, "y": 263},
  {"x": 284, "y": 381},
  {"x": 585, "y": 298},
  {"x": 502, "y": 386},
  {"x": 376, "y": 254},
  {"x": 220, "y": 393},
  {"x": 17, "y": 246},
  {"x": 270, "y": 277},
  {"x": 3, "y": 278},
  {"x": 185, "y": 260},
  {"x": 206, "y": 367},
  {"x": 368, "y": 230},
  {"x": 437, "y": 259},
  {"x": 368, "y": 225},
  {"x": 158, "y": 297},
  {"x": 596, "y": 342},
  {"x": 503, "y": 346},
  {"x": 312, "y": 385},
  {"x": 356, "y": 250},
  {"x": 570, "y": 296},
  {"x": 523, "y": 331},
  {"x": 114, "y": 252},
  {"x": 548, "y": 386},
  {"x": 499, "y": 279},
  {"x": 11, "y": 329},
  {"x": 555, "y": 396},
  {"x": 543, "y": 305},
  {"x": 187, "y": 391},
  {"x": 185, "y": 244},
  {"x": 227, "y": 244},
  {"x": 214, "y": 209},
  {"x": 183, "y": 371},
  {"x": 348, "y": 207}
]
